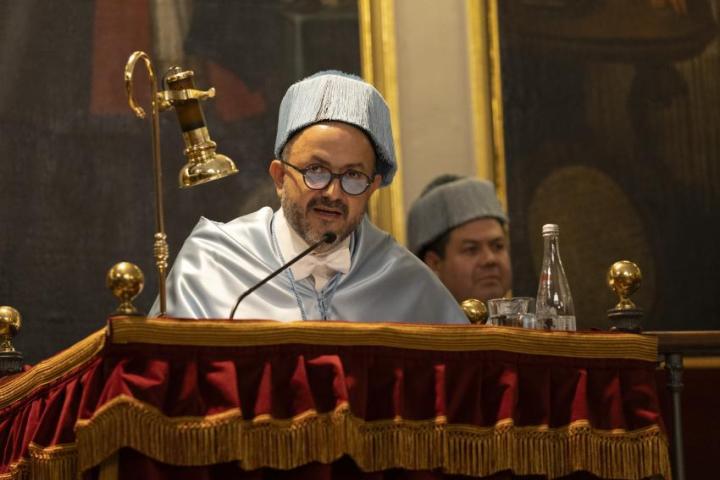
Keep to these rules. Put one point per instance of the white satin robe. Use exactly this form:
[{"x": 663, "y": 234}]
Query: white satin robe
[{"x": 220, "y": 261}]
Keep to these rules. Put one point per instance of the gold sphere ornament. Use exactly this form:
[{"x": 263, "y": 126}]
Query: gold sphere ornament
[
  {"x": 10, "y": 323},
  {"x": 125, "y": 280},
  {"x": 624, "y": 279},
  {"x": 475, "y": 310}
]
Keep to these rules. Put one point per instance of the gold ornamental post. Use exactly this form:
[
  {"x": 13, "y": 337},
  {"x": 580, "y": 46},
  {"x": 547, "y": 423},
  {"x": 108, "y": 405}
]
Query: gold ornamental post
[
  {"x": 10, "y": 323},
  {"x": 203, "y": 164},
  {"x": 624, "y": 278}
]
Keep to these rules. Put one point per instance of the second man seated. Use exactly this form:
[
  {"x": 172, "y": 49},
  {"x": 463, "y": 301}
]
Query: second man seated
[{"x": 459, "y": 229}]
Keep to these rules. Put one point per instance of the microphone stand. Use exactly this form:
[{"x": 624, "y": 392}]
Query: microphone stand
[{"x": 329, "y": 237}]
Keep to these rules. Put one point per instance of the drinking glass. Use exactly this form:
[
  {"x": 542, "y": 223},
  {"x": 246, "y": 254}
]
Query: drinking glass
[{"x": 512, "y": 312}]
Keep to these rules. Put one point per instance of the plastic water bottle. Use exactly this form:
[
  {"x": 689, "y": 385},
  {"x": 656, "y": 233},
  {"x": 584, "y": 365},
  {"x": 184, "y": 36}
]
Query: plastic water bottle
[{"x": 554, "y": 307}]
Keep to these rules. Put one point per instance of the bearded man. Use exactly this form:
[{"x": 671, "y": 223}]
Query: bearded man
[{"x": 333, "y": 150}]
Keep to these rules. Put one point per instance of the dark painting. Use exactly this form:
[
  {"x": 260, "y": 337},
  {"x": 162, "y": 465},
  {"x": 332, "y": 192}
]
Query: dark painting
[
  {"x": 76, "y": 177},
  {"x": 612, "y": 130}
]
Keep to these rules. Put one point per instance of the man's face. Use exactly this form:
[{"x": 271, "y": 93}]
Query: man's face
[
  {"x": 476, "y": 263},
  {"x": 312, "y": 213}
]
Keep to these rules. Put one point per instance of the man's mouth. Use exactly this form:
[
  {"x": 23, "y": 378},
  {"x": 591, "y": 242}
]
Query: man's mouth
[
  {"x": 328, "y": 213},
  {"x": 327, "y": 210},
  {"x": 487, "y": 279}
]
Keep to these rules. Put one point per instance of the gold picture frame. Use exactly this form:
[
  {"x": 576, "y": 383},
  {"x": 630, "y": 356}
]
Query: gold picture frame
[
  {"x": 379, "y": 67},
  {"x": 485, "y": 79}
]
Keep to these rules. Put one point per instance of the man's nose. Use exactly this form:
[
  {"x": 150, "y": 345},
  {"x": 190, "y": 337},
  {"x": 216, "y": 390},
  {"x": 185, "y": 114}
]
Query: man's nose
[
  {"x": 487, "y": 257},
  {"x": 334, "y": 189}
]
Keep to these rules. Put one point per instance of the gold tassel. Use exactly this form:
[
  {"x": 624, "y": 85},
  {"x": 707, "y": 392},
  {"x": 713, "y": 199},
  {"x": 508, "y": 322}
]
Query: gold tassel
[
  {"x": 374, "y": 445},
  {"x": 17, "y": 471},
  {"x": 58, "y": 462},
  {"x": 48, "y": 371}
]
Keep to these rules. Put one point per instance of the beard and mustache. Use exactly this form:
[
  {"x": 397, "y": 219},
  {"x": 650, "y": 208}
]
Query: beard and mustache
[{"x": 299, "y": 221}]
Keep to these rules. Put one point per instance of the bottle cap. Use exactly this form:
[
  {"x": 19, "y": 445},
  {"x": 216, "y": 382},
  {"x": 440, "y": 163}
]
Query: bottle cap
[{"x": 550, "y": 229}]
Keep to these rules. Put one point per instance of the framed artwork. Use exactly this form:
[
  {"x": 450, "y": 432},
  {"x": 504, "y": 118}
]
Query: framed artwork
[
  {"x": 77, "y": 177},
  {"x": 608, "y": 125}
]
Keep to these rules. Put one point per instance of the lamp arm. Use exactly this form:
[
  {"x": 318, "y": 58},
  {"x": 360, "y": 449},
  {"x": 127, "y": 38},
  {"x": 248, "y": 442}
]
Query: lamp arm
[{"x": 160, "y": 246}]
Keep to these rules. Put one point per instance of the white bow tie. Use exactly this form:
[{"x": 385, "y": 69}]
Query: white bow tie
[{"x": 318, "y": 265}]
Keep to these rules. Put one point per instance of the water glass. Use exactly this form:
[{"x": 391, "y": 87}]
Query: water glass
[{"x": 512, "y": 312}]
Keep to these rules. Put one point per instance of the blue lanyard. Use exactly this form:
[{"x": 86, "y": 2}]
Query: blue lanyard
[
  {"x": 290, "y": 276},
  {"x": 327, "y": 293}
]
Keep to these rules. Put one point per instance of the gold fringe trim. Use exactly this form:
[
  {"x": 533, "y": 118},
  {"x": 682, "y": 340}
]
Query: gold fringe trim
[
  {"x": 418, "y": 337},
  {"x": 51, "y": 369},
  {"x": 374, "y": 445},
  {"x": 110, "y": 468},
  {"x": 58, "y": 462},
  {"x": 17, "y": 471}
]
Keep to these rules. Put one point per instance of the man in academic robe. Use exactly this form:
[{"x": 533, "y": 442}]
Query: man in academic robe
[
  {"x": 333, "y": 150},
  {"x": 459, "y": 229}
]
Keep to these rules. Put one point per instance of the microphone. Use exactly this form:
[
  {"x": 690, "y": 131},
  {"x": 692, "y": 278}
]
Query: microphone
[{"x": 329, "y": 237}]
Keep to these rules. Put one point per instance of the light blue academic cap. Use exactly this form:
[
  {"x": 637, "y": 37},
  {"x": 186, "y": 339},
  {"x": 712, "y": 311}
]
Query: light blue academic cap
[
  {"x": 448, "y": 202},
  {"x": 336, "y": 96}
]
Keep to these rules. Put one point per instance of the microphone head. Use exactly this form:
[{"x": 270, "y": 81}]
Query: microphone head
[{"x": 329, "y": 237}]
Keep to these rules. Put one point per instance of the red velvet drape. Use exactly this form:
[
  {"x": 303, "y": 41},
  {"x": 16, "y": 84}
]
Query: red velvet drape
[{"x": 376, "y": 383}]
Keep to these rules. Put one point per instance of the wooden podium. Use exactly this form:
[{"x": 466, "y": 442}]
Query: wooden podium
[{"x": 171, "y": 398}]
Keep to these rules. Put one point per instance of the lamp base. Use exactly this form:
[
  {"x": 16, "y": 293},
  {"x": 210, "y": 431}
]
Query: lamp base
[
  {"x": 625, "y": 320},
  {"x": 10, "y": 363}
]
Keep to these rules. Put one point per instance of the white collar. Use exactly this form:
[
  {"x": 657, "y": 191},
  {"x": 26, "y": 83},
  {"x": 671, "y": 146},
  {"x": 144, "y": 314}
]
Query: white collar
[{"x": 322, "y": 267}]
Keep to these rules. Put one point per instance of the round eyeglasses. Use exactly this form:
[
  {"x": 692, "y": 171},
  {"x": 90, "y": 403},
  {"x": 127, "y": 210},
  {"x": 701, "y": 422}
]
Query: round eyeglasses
[{"x": 318, "y": 177}]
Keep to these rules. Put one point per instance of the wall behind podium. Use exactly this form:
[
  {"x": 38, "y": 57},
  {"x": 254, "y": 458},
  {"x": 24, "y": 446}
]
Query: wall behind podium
[{"x": 76, "y": 176}]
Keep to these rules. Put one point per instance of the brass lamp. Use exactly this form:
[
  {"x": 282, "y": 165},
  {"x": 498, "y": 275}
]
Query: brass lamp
[{"x": 203, "y": 164}]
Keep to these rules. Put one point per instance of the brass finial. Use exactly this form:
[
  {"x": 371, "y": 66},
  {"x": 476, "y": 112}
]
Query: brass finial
[
  {"x": 475, "y": 310},
  {"x": 624, "y": 278},
  {"x": 10, "y": 359},
  {"x": 10, "y": 322},
  {"x": 125, "y": 280}
]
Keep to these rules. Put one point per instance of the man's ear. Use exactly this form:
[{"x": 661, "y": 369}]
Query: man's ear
[
  {"x": 375, "y": 184},
  {"x": 277, "y": 172},
  {"x": 432, "y": 260}
]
